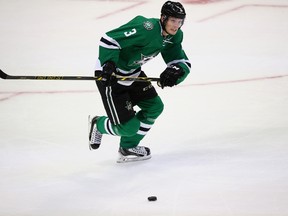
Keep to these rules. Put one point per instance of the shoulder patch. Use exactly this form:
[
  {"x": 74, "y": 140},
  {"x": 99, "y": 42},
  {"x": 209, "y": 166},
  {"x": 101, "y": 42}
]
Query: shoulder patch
[{"x": 148, "y": 25}]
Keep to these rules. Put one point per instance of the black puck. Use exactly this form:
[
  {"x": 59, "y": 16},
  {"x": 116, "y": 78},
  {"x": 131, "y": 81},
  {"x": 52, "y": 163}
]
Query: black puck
[{"x": 152, "y": 198}]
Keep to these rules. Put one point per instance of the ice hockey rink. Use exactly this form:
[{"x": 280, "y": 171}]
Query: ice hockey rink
[{"x": 220, "y": 148}]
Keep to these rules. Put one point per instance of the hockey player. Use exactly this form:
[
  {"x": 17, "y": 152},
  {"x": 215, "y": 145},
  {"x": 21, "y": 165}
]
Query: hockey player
[{"x": 123, "y": 51}]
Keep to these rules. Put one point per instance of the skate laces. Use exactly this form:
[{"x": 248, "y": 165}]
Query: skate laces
[
  {"x": 140, "y": 150},
  {"x": 96, "y": 136},
  {"x": 137, "y": 153}
]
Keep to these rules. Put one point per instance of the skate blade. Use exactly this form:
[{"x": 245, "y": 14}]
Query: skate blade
[{"x": 125, "y": 159}]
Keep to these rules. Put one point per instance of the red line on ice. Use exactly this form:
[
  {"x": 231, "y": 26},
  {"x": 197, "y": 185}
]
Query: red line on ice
[
  {"x": 238, "y": 8},
  {"x": 121, "y": 10},
  {"x": 237, "y": 81}
]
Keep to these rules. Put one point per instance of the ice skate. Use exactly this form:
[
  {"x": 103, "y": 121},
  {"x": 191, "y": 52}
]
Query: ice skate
[
  {"x": 133, "y": 154},
  {"x": 94, "y": 135}
]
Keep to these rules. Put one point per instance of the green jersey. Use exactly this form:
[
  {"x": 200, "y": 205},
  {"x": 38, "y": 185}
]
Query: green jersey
[{"x": 138, "y": 41}]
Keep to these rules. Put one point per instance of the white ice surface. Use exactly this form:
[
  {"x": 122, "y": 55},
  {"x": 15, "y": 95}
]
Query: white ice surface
[{"x": 217, "y": 149}]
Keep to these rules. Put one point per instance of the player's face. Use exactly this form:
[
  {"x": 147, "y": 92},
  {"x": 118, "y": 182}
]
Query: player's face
[{"x": 172, "y": 25}]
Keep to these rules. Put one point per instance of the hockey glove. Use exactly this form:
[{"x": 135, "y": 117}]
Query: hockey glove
[
  {"x": 170, "y": 75},
  {"x": 107, "y": 73}
]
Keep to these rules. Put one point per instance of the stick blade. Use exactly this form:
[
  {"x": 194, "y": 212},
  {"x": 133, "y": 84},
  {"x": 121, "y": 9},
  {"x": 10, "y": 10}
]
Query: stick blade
[{"x": 3, "y": 75}]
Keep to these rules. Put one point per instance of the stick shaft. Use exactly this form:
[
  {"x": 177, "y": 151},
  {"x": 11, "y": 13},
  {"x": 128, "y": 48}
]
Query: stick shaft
[{"x": 95, "y": 78}]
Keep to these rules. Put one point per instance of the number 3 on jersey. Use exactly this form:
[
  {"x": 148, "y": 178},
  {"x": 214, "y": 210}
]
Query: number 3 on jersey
[{"x": 129, "y": 33}]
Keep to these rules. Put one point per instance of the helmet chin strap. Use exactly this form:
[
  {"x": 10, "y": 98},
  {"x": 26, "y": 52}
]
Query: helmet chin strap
[
  {"x": 164, "y": 31},
  {"x": 163, "y": 23}
]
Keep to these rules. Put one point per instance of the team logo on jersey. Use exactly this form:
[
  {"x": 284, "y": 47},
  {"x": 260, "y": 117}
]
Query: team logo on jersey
[
  {"x": 148, "y": 25},
  {"x": 144, "y": 59}
]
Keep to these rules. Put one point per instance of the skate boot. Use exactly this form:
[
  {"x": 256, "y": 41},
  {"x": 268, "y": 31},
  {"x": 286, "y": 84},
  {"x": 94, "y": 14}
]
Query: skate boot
[
  {"x": 133, "y": 154},
  {"x": 94, "y": 135}
]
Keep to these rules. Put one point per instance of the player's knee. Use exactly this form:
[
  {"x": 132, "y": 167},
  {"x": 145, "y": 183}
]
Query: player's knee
[
  {"x": 129, "y": 128},
  {"x": 157, "y": 108}
]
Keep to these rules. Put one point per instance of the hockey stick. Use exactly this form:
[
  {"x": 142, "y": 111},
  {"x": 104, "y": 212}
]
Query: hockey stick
[{"x": 95, "y": 78}]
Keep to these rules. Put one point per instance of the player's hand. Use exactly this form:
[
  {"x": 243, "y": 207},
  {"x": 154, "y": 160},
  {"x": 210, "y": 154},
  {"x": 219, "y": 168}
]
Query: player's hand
[
  {"x": 109, "y": 69},
  {"x": 170, "y": 75}
]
